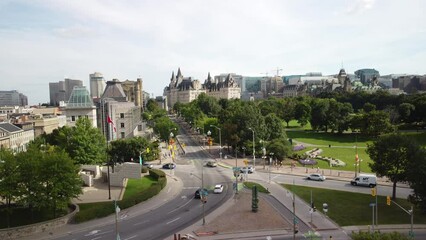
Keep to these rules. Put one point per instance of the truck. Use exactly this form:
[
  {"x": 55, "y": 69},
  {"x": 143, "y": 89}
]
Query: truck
[{"x": 365, "y": 180}]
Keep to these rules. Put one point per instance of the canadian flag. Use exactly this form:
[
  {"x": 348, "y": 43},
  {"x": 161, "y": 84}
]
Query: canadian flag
[
  {"x": 110, "y": 121},
  {"x": 356, "y": 158}
]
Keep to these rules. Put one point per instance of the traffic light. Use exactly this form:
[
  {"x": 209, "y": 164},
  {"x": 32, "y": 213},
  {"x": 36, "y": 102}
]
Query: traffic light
[
  {"x": 373, "y": 192},
  {"x": 388, "y": 200}
]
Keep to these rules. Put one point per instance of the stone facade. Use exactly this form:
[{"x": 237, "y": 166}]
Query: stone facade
[{"x": 185, "y": 90}]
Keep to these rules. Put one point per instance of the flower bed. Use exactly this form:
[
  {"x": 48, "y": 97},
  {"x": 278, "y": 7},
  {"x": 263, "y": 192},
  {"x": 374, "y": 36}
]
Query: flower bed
[
  {"x": 307, "y": 161},
  {"x": 298, "y": 147},
  {"x": 314, "y": 152},
  {"x": 333, "y": 162}
]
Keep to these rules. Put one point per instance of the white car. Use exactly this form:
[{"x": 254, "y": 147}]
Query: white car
[
  {"x": 218, "y": 188},
  {"x": 316, "y": 177},
  {"x": 249, "y": 169}
]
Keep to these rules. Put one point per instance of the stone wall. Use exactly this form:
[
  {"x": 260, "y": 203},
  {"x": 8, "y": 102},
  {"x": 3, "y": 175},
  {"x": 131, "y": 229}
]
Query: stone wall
[{"x": 28, "y": 230}]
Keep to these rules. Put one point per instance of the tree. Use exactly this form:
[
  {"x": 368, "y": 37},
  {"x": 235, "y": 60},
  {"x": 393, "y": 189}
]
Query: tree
[
  {"x": 124, "y": 150},
  {"x": 319, "y": 114},
  {"x": 9, "y": 179},
  {"x": 302, "y": 113},
  {"x": 86, "y": 144},
  {"x": 405, "y": 110},
  {"x": 391, "y": 154},
  {"x": 416, "y": 177},
  {"x": 376, "y": 123},
  {"x": 280, "y": 147},
  {"x": 274, "y": 128},
  {"x": 59, "y": 176},
  {"x": 163, "y": 126}
]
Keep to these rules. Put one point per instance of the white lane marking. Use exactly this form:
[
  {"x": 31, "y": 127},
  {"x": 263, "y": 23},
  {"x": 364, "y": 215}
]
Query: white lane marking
[
  {"x": 140, "y": 223},
  {"x": 180, "y": 207},
  {"x": 172, "y": 221},
  {"x": 92, "y": 233},
  {"x": 130, "y": 237},
  {"x": 96, "y": 238},
  {"x": 102, "y": 233}
]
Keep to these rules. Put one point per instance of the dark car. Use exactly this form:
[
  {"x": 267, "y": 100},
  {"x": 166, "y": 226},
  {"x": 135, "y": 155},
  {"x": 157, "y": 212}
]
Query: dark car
[
  {"x": 200, "y": 191},
  {"x": 169, "y": 166}
]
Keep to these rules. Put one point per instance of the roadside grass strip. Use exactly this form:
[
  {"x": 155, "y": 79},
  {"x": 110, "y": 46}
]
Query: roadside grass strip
[{"x": 350, "y": 209}]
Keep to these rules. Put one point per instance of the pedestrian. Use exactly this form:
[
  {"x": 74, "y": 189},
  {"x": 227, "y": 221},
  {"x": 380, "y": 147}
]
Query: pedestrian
[{"x": 318, "y": 169}]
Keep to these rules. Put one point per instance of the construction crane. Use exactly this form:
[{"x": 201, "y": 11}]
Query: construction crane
[{"x": 278, "y": 71}]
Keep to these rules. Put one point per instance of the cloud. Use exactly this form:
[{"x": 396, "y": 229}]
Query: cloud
[
  {"x": 76, "y": 31},
  {"x": 360, "y": 6}
]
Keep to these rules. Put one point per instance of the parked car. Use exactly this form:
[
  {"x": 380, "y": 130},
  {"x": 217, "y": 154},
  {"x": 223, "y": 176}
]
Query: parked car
[
  {"x": 316, "y": 177},
  {"x": 169, "y": 166},
  {"x": 365, "y": 180},
  {"x": 211, "y": 164},
  {"x": 218, "y": 188},
  {"x": 200, "y": 191},
  {"x": 247, "y": 169},
  {"x": 147, "y": 164}
]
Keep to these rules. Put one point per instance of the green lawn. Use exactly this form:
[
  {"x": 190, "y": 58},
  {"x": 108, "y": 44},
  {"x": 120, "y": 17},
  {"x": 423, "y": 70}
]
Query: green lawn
[
  {"x": 135, "y": 186},
  {"x": 343, "y": 146},
  {"x": 347, "y": 155},
  {"x": 347, "y": 208},
  {"x": 134, "y": 189}
]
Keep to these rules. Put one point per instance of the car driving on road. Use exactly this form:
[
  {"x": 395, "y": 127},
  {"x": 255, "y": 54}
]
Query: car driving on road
[
  {"x": 211, "y": 164},
  {"x": 247, "y": 169},
  {"x": 218, "y": 188},
  {"x": 169, "y": 166},
  {"x": 315, "y": 177},
  {"x": 200, "y": 191}
]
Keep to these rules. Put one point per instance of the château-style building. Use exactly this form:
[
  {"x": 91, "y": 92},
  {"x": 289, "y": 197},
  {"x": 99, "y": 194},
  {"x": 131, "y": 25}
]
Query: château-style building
[{"x": 185, "y": 90}]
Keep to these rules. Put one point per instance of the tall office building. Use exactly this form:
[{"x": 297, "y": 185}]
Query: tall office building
[
  {"x": 97, "y": 85},
  {"x": 61, "y": 91},
  {"x": 13, "y": 98}
]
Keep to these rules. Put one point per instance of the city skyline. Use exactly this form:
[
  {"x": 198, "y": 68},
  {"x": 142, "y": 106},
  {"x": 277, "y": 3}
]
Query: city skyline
[{"x": 48, "y": 41}]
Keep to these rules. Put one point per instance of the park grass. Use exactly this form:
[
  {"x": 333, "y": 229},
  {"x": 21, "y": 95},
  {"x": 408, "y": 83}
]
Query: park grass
[
  {"x": 342, "y": 147},
  {"x": 348, "y": 209},
  {"x": 293, "y": 124},
  {"x": 135, "y": 186},
  {"x": 259, "y": 187},
  {"x": 95, "y": 210}
]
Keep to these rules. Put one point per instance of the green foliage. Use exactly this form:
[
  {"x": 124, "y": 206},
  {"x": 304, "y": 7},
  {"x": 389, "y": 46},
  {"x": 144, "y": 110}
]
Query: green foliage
[
  {"x": 280, "y": 147},
  {"x": 342, "y": 204},
  {"x": 259, "y": 187},
  {"x": 163, "y": 126},
  {"x": 376, "y": 123},
  {"x": 84, "y": 143},
  {"x": 124, "y": 150},
  {"x": 89, "y": 211},
  {"x": 156, "y": 174},
  {"x": 378, "y": 236},
  {"x": 391, "y": 154}
]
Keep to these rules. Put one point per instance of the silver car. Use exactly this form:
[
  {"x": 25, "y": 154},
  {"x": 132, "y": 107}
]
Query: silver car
[{"x": 315, "y": 177}]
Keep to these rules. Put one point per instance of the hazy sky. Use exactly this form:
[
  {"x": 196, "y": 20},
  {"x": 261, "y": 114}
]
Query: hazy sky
[{"x": 44, "y": 41}]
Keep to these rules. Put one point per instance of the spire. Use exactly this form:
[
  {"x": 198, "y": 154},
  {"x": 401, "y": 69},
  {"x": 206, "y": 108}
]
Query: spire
[
  {"x": 173, "y": 79},
  {"x": 209, "y": 78},
  {"x": 179, "y": 74}
]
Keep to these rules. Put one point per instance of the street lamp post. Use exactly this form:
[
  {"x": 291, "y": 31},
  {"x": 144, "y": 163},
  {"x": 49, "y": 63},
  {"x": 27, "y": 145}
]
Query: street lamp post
[
  {"x": 270, "y": 160},
  {"x": 208, "y": 134},
  {"x": 220, "y": 139},
  {"x": 254, "y": 150},
  {"x": 236, "y": 166}
]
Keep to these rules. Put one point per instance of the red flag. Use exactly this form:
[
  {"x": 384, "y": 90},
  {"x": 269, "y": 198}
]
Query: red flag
[
  {"x": 356, "y": 157},
  {"x": 110, "y": 121}
]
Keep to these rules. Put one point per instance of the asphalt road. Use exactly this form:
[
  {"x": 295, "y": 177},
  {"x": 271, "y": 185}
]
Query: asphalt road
[
  {"x": 401, "y": 192},
  {"x": 176, "y": 214}
]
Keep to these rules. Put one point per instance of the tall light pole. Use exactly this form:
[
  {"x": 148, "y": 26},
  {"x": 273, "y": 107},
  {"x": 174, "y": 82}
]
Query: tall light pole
[
  {"x": 236, "y": 166},
  {"x": 208, "y": 134},
  {"x": 254, "y": 150},
  {"x": 270, "y": 160},
  {"x": 220, "y": 139}
]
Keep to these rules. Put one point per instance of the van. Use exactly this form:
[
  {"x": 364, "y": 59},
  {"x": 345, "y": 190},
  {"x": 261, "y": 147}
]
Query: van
[{"x": 365, "y": 180}]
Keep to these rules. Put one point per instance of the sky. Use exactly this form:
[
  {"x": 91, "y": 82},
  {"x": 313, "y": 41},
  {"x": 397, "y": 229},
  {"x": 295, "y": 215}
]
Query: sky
[{"x": 44, "y": 41}]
